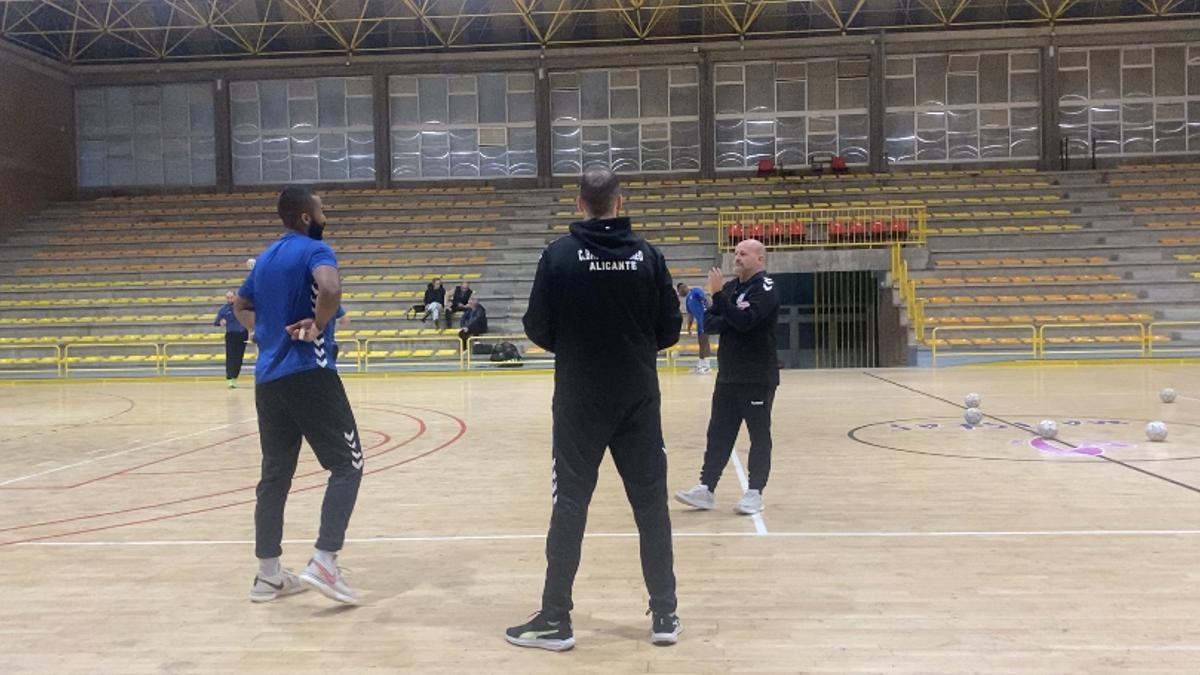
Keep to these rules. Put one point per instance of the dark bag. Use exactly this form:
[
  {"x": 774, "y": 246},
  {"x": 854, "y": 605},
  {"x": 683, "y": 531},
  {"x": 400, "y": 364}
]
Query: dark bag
[
  {"x": 506, "y": 353},
  {"x": 482, "y": 348}
]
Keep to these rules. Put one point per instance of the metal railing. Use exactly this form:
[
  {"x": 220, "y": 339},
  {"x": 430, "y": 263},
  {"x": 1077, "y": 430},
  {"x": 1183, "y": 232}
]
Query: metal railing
[
  {"x": 914, "y": 306},
  {"x": 415, "y": 355},
  {"x": 847, "y": 227},
  {"x": 107, "y": 361},
  {"x": 1033, "y": 340},
  {"x": 1138, "y": 349},
  {"x": 529, "y": 354},
  {"x": 1154, "y": 331},
  {"x": 165, "y": 347},
  {"x": 26, "y": 365}
]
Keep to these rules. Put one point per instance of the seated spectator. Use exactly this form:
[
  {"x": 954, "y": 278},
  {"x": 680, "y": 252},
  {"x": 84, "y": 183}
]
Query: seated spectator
[
  {"x": 458, "y": 301},
  {"x": 435, "y": 301},
  {"x": 474, "y": 321}
]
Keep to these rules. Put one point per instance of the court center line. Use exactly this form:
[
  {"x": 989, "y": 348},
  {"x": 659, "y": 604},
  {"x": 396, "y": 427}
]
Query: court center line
[
  {"x": 900, "y": 534},
  {"x": 123, "y": 452},
  {"x": 759, "y": 526},
  {"x": 1068, "y": 444}
]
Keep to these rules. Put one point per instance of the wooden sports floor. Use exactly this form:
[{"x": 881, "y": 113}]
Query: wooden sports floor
[{"x": 894, "y": 540}]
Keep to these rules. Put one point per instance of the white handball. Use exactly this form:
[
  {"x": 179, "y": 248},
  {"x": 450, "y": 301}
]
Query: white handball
[
  {"x": 1156, "y": 431},
  {"x": 1047, "y": 429},
  {"x": 250, "y": 263},
  {"x": 973, "y": 416},
  {"x": 972, "y": 400},
  {"x": 1167, "y": 395}
]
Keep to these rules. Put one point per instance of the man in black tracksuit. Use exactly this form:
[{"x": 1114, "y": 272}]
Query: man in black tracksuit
[
  {"x": 745, "y": 312},
  {"x": 603, "y": 303}
]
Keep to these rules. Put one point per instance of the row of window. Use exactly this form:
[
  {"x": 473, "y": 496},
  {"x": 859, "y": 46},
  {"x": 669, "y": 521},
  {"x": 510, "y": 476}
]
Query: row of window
[{"x": 939, "y": 108}]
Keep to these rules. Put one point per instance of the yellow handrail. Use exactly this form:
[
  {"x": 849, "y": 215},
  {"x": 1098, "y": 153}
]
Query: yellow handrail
[
  {"x": 1141, "y": 348},
  {"x": 1169, "y": 324},
  {"x": 66, "y": 355},
  {"x": 365, "y": 352},
  {"x": 490, "y": 337},
  {"x": 165, "y": 356},
  {"x": 1034, "y": 341},
  {"x": 58, "y": 359}
]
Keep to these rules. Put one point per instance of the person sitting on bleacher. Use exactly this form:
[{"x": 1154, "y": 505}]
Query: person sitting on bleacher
[
  {"x": 474, "y": 321},
  {"x": 435, "y": 301},
  {"x": 458, "y": 301}
]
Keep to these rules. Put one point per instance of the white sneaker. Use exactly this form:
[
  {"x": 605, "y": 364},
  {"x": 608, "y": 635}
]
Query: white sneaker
[
  {"x": 699, "y": 497},
  {"x": 750, "y": 503},
  {"x": 329, "y": 583},
  {"x": 266, "y": 589}
]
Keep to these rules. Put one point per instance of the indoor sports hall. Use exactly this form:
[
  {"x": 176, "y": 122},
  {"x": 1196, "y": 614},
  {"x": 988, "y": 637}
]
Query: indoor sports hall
[{"x": 978, "y": 233}]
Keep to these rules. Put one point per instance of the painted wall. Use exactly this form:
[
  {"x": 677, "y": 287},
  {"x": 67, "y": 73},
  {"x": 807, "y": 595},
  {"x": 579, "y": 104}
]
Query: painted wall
[{"x": 36, "y": 137}]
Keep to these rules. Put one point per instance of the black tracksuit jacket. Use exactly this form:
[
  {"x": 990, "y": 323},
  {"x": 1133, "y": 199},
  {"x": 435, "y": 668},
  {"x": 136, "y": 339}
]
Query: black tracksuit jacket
[
  {"x": 603, "y": 303},
  {"x": 746, "y": 354}
]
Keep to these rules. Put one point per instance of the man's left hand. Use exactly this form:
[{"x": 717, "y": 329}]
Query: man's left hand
[
  {"x": 716, "y": 280},
  {"x": 304, "y": 330}
]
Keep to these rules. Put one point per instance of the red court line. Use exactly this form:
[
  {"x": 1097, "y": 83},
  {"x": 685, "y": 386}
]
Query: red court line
[
  {"x": 131, "y": 468},
  {"x": 420, "y": 432},
  {"x": 386, "y": 439},
  {"x": 462, "y": 429}
]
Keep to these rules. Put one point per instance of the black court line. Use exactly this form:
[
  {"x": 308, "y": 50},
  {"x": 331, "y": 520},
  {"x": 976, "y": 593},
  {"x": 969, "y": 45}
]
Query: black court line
[{"x": 1118, "y": 462}]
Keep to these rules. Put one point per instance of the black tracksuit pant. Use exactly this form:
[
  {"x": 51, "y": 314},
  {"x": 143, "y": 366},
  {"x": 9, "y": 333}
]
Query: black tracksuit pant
[
  {"x": 732, "y": 403},
  {"x": 633, "y": 432},
  {"x": 235, "y": 351},
  {"x": 311, "y": 404}
]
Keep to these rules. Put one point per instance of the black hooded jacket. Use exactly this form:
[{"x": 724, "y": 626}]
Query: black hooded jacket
[
  {"x": 603, "y": 302},
  {"x": 745, "y": 314}
]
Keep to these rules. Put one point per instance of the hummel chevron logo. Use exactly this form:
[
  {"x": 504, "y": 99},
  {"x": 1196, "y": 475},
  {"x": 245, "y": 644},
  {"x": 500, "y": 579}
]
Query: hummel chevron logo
[{"x": 349, "y": 436}]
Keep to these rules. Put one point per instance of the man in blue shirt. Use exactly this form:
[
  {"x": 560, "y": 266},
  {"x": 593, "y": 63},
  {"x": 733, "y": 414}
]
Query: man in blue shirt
[
  {"x": 289, "y": 301},
  {"x": 696, "y": 303},
  {"x": 236, "y": 336}
]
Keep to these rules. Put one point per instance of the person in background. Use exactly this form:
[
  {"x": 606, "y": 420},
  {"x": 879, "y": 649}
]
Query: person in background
[
  {"x": 696, "y": 302},
  {"x": 745, "y": 312},
  {"x": 458, "y": 301},
  {"x": 236, "y": 337},
  {"x": 435, "y": 301},
  {"x": 474, "y": 321}
]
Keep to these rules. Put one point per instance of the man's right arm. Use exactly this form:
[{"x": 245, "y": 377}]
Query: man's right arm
[
  {"x": 243, "y": 309},
  {"x": 329, "y": 294},
  {"x": 539, "y": 317}
]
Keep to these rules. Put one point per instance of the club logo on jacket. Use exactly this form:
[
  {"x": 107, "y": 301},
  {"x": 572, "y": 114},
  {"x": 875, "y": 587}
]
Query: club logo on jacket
[{"x": 595, "y": 264}]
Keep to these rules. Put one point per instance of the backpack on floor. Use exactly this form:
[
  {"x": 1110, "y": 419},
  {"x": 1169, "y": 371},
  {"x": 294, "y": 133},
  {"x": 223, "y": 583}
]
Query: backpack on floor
[{"x": 506, "y": 354}]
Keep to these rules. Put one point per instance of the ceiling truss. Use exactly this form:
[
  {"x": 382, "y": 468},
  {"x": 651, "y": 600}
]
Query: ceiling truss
[{"x": 114, "y": 31}]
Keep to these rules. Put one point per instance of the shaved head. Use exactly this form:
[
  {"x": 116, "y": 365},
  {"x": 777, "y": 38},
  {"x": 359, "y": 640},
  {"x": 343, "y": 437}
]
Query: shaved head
[{"x": 749, "y": 258}]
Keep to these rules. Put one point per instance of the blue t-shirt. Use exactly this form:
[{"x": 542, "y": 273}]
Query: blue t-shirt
[
  {"x": 695, "y": 302},
  {"x": 283, "y": 291},
  {"x": 232, "y": 325}
]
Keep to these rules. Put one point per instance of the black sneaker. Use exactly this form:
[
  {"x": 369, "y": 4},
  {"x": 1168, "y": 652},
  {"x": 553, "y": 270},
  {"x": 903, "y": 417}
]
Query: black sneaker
[
  {"x": 543, "y": 633},
  {"x": 665, "y": 629}
]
